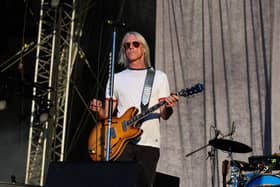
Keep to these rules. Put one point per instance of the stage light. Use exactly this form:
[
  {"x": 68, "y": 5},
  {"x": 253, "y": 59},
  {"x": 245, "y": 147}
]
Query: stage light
[
  {"x": 3, "y": 95},
  {"x": 41, "y": 114},
  {"x": 3, "y": 104},
  {"x": 44, "y": 113},
  {"x": 54, "y": 3}
]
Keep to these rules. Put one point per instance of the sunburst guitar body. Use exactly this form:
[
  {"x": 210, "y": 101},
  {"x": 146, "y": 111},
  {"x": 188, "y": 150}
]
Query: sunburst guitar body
[
  {"x": 121, "y": 134},
  {"x": 124, "y": 129}
]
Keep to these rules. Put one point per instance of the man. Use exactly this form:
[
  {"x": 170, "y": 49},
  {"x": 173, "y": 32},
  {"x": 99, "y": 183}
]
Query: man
[{"x": 128, "y": 89}]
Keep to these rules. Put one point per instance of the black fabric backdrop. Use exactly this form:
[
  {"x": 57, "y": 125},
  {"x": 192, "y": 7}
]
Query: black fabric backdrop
[{"x": 88, "y": 80}]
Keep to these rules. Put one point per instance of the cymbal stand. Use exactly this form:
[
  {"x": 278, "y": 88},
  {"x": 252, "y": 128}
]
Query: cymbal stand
[
  {"x": 213, "y": 163},
  {"x": 234, "y": 172},
  {"x": 211, "y": 155},
  {"x": 203, "y": 147}
]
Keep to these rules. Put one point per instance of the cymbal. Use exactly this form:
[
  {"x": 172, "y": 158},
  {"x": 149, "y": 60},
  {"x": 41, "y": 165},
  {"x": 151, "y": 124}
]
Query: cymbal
[{"x": 230, "y": 146}]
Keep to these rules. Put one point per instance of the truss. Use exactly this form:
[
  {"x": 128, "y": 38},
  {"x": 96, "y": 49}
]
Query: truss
[{"x": 57, "y": 48}]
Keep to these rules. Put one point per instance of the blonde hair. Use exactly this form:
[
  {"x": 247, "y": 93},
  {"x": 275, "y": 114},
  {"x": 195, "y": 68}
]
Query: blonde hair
[{"x": 140, "y": 38}]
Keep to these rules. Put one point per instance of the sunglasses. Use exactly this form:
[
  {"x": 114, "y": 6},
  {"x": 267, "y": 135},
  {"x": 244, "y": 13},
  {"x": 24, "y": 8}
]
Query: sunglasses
[{"x": 127, "y": 45}]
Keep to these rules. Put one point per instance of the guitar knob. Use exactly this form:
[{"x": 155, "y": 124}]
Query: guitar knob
[{"x": 91, "y": 151}]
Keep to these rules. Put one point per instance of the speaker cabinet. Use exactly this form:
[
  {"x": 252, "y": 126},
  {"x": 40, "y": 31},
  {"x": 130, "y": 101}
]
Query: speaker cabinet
[
  {"x": 164, "y": 180},
  {"x": 3, "y": 184},
  {"x": 92, "y": 174}
]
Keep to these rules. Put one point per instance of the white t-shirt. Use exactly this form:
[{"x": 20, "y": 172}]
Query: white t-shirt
[{"x": 128, "y": 88}]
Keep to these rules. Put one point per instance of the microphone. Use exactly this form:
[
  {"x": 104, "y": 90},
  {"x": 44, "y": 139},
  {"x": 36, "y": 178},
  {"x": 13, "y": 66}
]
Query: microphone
[
  {"x": 116, "y": 23},
  {"x": 217, "y": 131}
]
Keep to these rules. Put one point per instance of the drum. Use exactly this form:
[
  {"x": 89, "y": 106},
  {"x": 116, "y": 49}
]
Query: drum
[
  {"x": 245, "y": 178},
  {"x": 264, "y": 180}
]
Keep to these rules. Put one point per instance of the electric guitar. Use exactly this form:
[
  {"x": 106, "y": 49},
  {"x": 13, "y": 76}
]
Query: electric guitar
[{"x": 124, "y": 129}]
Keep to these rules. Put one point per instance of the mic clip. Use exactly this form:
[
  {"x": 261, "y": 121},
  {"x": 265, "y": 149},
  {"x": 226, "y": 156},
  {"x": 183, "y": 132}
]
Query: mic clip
[
  {"x": 217, "y": 132},
  {"x": 116, "y": 23}
]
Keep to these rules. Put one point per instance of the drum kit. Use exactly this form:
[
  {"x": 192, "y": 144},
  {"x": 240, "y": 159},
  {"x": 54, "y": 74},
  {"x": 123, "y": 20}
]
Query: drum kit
[{"x": 259, "y": 171}]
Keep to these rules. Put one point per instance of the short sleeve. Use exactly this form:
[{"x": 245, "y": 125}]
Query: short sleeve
[
  {"x": 108, "y": 92},
  {"x": 164, "y": 89}
]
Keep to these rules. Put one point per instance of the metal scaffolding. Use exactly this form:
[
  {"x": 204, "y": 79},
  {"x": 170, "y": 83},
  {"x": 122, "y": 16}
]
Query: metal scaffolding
[{"x": 57, "y": 47}]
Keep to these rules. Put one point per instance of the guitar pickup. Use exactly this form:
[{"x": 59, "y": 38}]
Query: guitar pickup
[
  {"x": 124, "y": 125},
  {"x": 113, "y": 133}
]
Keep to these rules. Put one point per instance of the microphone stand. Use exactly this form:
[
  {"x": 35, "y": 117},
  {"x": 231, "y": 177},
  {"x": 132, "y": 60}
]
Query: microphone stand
[
  {"x": 111, "y": 88},
  {"x": 203, "y": 147},
  {"x": 212, "y": 157},
  {"x": 217, "y": 133}
]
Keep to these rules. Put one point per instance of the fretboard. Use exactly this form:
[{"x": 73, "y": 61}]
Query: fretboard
[{"x": 145, "y": 113}]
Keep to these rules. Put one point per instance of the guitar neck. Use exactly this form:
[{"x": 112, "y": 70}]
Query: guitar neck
[
  {"x": 145, "y": 113},
  {"x": 184, "y": 92}
]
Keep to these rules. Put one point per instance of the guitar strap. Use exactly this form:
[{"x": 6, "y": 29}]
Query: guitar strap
[
  {"x": 147, "y": 89},
  {"x": 146, "y": 94}
]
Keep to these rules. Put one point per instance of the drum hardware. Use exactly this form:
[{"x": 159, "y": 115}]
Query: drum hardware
[
  {"x": 239, "y": 168},
  {"x": 265, "y": 170},
  {"x": 265, "y": 164},
  {"x": 231, "y": 146},
  {"x": 234, "y": 176},
  {"x": 257, "y": 173},
  {"x": 225, "y": 168}
]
